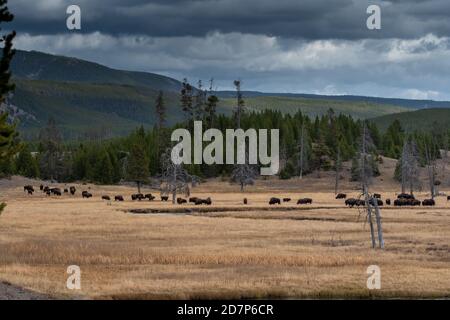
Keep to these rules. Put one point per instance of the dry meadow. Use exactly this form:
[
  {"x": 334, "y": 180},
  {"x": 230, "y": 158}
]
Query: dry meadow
[{"x": 233, "y": 251}]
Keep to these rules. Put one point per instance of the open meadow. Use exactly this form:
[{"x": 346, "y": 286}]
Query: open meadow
[{"x": 225, "y": 251}]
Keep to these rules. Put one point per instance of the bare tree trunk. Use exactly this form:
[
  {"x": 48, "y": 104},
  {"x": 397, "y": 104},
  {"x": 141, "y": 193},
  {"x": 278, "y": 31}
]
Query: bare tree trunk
[
  {"x": 302, "y": 138},
  {"x": 379, "y": 227},
  {"x": 369, "y": 219},
  {"x": 139, "y": 186},
  {"x": 338, "y": 169}
]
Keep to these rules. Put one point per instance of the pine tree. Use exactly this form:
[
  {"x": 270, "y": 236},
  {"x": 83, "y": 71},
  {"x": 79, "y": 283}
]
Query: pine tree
[
  {"x": 26, "y": 164},
  {"x": 8, "y": 142},
  {"x": 138, "y": 163},
  {"x": 160, "y": 110}
]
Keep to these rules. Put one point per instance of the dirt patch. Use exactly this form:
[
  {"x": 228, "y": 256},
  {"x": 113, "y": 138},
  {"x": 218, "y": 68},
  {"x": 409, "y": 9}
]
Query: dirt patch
[{"x": 12, "y": 292}]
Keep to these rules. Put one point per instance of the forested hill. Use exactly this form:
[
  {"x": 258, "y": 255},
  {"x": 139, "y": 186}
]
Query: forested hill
[
  {"x": 88, "y": 99},
  {"x": 426, "y": 119}
]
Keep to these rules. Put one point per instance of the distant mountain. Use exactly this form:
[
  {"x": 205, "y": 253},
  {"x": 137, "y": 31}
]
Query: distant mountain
[
  {"x": 406, "y": 103},
  {"x": 35, "y": 65},
  {"x": 425, "y": 119},
  {"x": 87, "y": 98}
]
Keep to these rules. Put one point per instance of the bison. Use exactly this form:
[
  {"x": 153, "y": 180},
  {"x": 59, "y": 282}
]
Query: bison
[
  {"x": 341, "y": 196},
  {"x": 72, "y": 190},
  {"x": 86, "y": 194},
  {"x": 305, "y": 201},
  {"x": 245, "y": 201},
  {"x": 207, "y": 201},
  {"x": 149, "y": 196},
  {"x": 428, "y": 203},
  {"x": 118, "y": 198},
  {"x": 193, "y": 199},
  {"x": 164, "y": 198},
  {"x": 106, "y": 198},
  {"x": 137, "y": 196},
  {"x": 405, "y": 196},
  {"x": 181, "y": 201},
  {"x": 388, "y": 202},
  {"x": 377, "y": 196},
  {"x": 273, "y": 201},
  {"x": 28, "y": 188},
  {"x": 286, "y": 199},
  {"x": 376, "y": 201}
]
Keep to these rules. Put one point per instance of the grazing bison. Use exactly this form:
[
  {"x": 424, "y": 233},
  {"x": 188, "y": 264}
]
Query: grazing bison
[
  {"x": 402, "y": 202},
  {"x": 245, "y": 201},
  {"x": 181, "y": 201},
  {"x": 149, "y": 197},
  {"x": 341, "y": 196},
  {"x": 388, "y": 202},
  {"x": 66, "y": 190},
  {"x": 305, "y": 201},
  {"x": 193, "y": 199},
  {"x": 106, "y": 198},
  {"x": 207, "y": 201},
  {"x": 377, "y": 196},
  {"x": 28, "y": 189},
  {"x": 48, "y": 193},
  {"x": 41, "y": 187},
  {"x": 376, "y": 201},
  {"x": 72, "y": 190},
  {"x": 286, "y": 199},
  {"x": 46, "y": 189},
  {"x": 273, "y": 201},
  {"x": 56, "y": 191},
  {"x": 137, "y": 196},
  {"x": 118, "y": 198},
  {"x": 448, "y": 198},
  {"x": 428, "y": 203},
  {"x": 86, "y": 194},
  {"x": 406, "y": 196},
  {"x": 164, "y": 198},
  {"x": 351, "y": 202}
]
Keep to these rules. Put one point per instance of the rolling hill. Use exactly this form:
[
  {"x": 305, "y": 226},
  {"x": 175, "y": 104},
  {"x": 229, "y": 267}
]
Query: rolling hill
[
  {"x": 86, "y": 97},
  {"x": 425, "y": 119}
]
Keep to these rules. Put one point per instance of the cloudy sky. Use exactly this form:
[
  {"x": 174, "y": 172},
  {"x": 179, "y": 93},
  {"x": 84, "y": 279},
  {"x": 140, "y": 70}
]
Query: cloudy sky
[{"x": 305, "y": 46}]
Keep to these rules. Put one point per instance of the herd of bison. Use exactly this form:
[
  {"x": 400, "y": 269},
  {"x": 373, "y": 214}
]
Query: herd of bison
[{"x": 403, "y": 199}]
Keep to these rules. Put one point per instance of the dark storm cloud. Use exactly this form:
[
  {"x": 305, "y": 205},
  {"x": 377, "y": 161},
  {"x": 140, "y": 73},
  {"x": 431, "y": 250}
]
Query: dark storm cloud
[{"x": 310, "y": 19}]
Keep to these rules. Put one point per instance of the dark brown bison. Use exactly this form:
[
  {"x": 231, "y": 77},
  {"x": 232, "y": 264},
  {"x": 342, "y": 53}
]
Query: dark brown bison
[
  {"x": 405, "y": 196},
  {"x": 376, "y": 201},
  {"x": 46, "y": 189},
  {"x": 164, "y": 198},
  {"x": 72, "y": 190},
  {"x": 428, "y": 203},
  {"x": 106, "y": 198},
  {"x": 181, "y": 201},
  {"x": 245, "y": 201},
  {"x": 273, "y": 201},
  {"x": 388, "y": 202},
  {"x": 448, "y": 198},
  {"x": 66, "y": 190},
  {"x": 118, "y": 198},
  {"x": 286, "y": 199},
  {"x": 137, "y": 196},
  {"x": 305, "y": 201},
  {"x": 193, "y": 199},
  {"x": 56, "y": 191},
  {"x": 341, "y": 196},
  {"x": 41, "y": 187},
  {"x": 377, "y": 196},
  {"x": 28, "y": 188},
  {"x": 86, "y": 194},
  {"x": 207, "y": 201},
  {"x": 149, "y": 196}
]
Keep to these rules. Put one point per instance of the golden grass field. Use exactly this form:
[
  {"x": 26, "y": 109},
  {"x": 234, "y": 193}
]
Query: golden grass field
[{"x": 321, "y": 251}]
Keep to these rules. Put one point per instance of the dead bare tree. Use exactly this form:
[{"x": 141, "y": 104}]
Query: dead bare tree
[
  {"x": 338, "y": 167},
  {"x": 302, "y": 163},
  {"x": 431, "y": 169},
  {"x": 410, "y": 167},
  {"x": 174, "y": 178}
]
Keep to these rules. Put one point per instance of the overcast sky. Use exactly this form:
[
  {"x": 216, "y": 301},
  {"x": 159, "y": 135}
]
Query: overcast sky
[{"x": 304, "y": 46}]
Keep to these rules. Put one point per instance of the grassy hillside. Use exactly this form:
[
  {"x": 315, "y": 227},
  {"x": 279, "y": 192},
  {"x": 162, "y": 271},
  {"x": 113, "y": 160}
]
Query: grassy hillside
[
  {"x": 424, "y": 119},
  {"x": 81, "y": 107},
  {"x": 35, "y": 65},
  {"x": 313, "y": 107}
]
